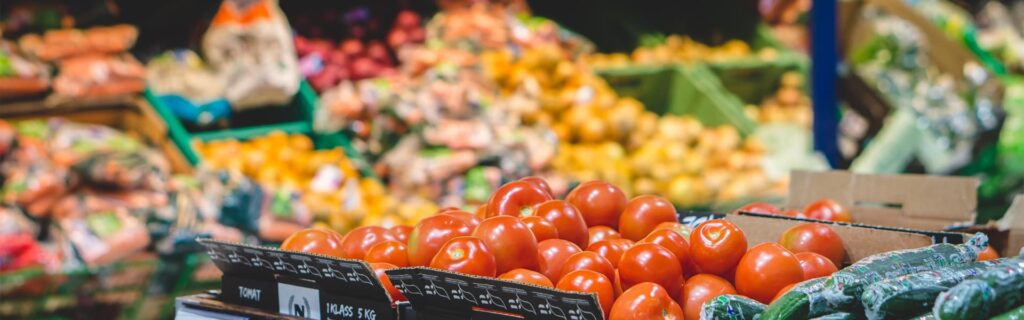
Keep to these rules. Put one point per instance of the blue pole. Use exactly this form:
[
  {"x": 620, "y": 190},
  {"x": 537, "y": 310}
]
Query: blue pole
[{"x": 824, "y": 61}]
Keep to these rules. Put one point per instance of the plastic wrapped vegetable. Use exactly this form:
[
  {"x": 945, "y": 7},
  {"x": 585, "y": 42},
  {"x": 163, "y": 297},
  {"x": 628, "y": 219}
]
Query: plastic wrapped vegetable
[
  {"x": 188, "y": 87},
  {"x": 100, "y": 75},
  {"x": 843, "y": 289},
  {"x": 996, "y": 290},
  {"x": 732, "y": 307},
  {"x": 249, "y": 44},
  {"x": 915, "y": 293},
  {"x": 100, "y": 230}
]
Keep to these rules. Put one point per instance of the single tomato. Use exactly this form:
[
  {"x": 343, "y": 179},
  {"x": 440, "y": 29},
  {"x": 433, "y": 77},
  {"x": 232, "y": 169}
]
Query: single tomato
[
  {"x": 611, "y": 250},
  {"x": 675, "y": 243},
  {"x": 600, "y": 202},
  {"x": 648, "y": 262},
  {"x": 701, "y": 288},
  {"x": 644, "y": 213},
  {"x": 378, "y": 269},
  {"x": 315, "y": 240},
  {"x": 542, "y": 229},
  {"x": 815, "y": 265},
  {"x": 467, "y": 255},
  {"x": 759, "y": 207},
  {"x": 766, "y": 269},
  {"x": 814, "y": 237},
  {"x": 589, "y": 281},
  {"x": 586, "y": 260},
  {"x": 716, "y": 246},
  {"x": 988, "y": 254},
  {"x": 401, "y": 233},
  {"x": 516, "y": 198},
  {"x": 527, "y": 276},
  {"x": 598, "y": 233},
  {"x": 430, "y": 234},
  {"x": 511, "y": 242},
  {"x": 539, "y": 183},
  {"x": 681, "y": 229},
  {"x": 470, "y": 219},
  {"x": 357, "y": 241},
  {"x": 553, "y": 253},
  {"x": 390, "y": 251},
  {"x": 567, "y": 219},
  {"x": 783, "y": 291},
  {"x": 827, "y": 210},
  {"x": 645, "y": 301}
]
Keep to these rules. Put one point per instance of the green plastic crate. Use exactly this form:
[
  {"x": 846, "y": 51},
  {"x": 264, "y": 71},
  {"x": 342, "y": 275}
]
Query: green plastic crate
[
  {"x": 754, "y": 78},
  {"x": 689, "y": 89},
  {"x": 297, "y": 119}
]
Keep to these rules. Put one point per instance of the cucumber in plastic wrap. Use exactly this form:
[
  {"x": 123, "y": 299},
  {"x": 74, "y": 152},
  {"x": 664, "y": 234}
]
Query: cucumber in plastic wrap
[
  {"x": 842, "y": 289},
  {"x": 1015, "y": 314},
  {"x": 913, "y": 294},
  {"x": 732, "y": 307},
  {"x": 996, "y": 290},
  {"x": 836, "y": 316}
]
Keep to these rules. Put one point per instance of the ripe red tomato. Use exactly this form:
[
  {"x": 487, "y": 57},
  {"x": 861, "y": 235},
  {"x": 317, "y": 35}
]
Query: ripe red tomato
[
  {"x": 511, "y": 242},
  {"x": 598, "y": 233},
  {"x": 470, "y": 219},
  {"x": 516, "y": 198},
  {"x": 988, "y": 254},
  {"x": 401, "y": 233},
  {"x": 814, "y": 237},
  {"x": 539, "y": 183},
  {"x": 611, "y": 249},
  {"x": 783, "y": 291},
  {"x": 815, "y": 265},
  {"x": 315, "y": 240},
  {"x": 645, "y": 301},
  {"x": 766, "y": 269},
  {"x": 675, "y": 243},
  {"x": 699, "y": 289},
  {"x": 391, "y": 251},
  {"x": 430, "y": 234},
  {"x": 553, "y": 254},
  {"x": 527, "y": 276},
  {"x": 467, "y": 255},
  {"x": 586, "y": 260},
  {"x": 716, "y": 246},
  {"x": 679, "y": 228},
  {"x": 827, "y": 210},
  {"x": 648, "y": 262},
  {"x": 759, "y": 207},
  {"x": 589, "y": 281},
  {"x": 600, "y": 202},
  {"x": 542, "y": 229},
  {"x": 567, "y": 219},
  {"x": 481, "y": 211},
  {"x": 357, "y": 241},
  {"x": 642, "y": 214},
  {"x": 378, "y": 269}
]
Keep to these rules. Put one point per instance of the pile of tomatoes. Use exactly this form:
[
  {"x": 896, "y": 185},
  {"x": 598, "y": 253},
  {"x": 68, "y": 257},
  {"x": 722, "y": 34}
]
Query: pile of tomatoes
[
  {"x": 632, "y": 253},
  {"x": 823, "y": 209}
]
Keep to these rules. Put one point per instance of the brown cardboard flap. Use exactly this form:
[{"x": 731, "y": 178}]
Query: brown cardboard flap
[
  {"x": 859, "y": 242},
  {"x": 1013, "y": 222},
  {"x": 907, "y": 201}
]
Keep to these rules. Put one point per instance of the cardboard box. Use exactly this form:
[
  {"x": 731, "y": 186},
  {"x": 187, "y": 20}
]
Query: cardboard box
[
  {"x": 298, "y": 284},
  {"x": 1012, "y": 224},
  {"x": 905, "y": 201},
  {"x": 436, "y": 294}
]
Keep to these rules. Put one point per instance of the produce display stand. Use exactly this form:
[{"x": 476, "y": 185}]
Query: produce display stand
[{"x": 755, "y": 77}]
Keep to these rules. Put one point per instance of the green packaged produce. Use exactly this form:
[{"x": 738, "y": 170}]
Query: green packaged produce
[
  {"x": 836, "y": 316},
  {"x": 732, "y": 307},
  {"x": 1015, "y": 314},
  {"x": 841, "y": 290},
  {"x": 995, "y": 290},
  {"x": 913, "y": 294}
]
